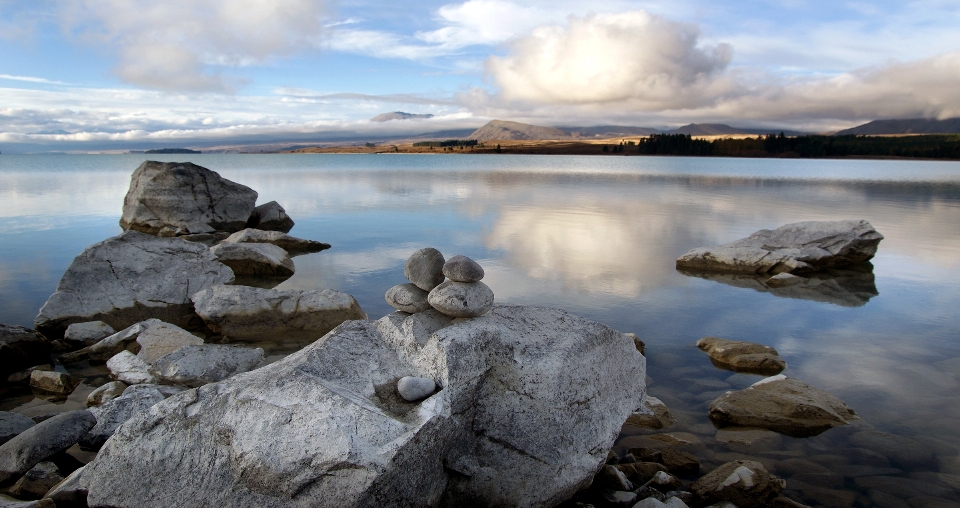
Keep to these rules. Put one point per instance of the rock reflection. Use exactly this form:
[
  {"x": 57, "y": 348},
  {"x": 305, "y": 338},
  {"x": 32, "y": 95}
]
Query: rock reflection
[{"x": 851, "y": 287}]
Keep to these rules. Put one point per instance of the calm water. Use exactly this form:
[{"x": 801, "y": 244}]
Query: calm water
[{"x": 597, "y": 236}]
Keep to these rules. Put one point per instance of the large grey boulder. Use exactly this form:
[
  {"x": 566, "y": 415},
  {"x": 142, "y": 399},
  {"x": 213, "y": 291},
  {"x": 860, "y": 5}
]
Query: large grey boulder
[
  {"x": 135, "y": 400},
  {"x": 242, "y": 312},
  {"x": 183, "y": 198},
  {"x": 530, "y": 402},
  {"x": 21, "y": 348},
  {"x": 794, "y": 248},
  {"x": 43, "y": 440},
  {"x": 270, "y": 217},
  {"x": 255, "y": 259},
  {"x": 130, "y": 278},
  {"x": 12, "y": 424},
  {"x": 208, "y": 363},
  {"x": 784, "y": 405},
  {"x": 291, "y": 244}
]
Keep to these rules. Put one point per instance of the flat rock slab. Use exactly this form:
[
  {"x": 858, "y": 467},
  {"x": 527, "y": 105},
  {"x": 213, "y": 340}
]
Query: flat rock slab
[
  {"x": 21, "y": 348},
  {"x": 43, "y": 440},
  {"x": 530, "y": 402},
  {"x": 740, "y": 356},
  {"x": 291, "y": 244},
  {"x": 158, "y": 339},
  {"x": 255, "y": 259},
  {"x": 53, "y": 382},
  {"x": 242, "y": 312},
  {"x": 784, "y": 405},
  {"x": 183, "y": 198},
  {"x": 195, "y": 366},
  {"x": 794, "y": 248},
  {"x": 130, "y": 278}
]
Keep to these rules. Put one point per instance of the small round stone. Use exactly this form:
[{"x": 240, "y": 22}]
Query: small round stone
[
  {"x": 462, "y": 269},
  {"x": 415, "y": 388},
  {"x": 425, "y": 268},
  {"x": 461, "y": 299},
  {"x": 407, "y": 298}
]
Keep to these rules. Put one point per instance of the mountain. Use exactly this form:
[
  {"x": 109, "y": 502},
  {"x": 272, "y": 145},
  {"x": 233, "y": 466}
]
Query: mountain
[
  {"x": 503, "y": 130},
  {"x": 911, "y": 126},
  {"x": 608, "y": 131},
  {"x": 397, "y": 115},
  {"x": 719, "y": 129}
]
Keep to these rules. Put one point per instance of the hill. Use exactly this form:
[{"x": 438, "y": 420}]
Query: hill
[
  {"x": 911, "y": 126},
  {"x": 720, "y": 129},
  {"x": 608, "y": 131},
  {"x": 397, "y": 115},
  {"x": 504, "y": 130}
]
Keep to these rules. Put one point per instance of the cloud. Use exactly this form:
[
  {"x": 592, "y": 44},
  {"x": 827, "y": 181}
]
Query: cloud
[
  {"x": 481, "y": 22},
  {"x": 182, "y": 45},
  {"x": 31, "y": 79}
]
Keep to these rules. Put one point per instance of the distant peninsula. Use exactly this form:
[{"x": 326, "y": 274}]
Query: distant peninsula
[{"x": 172, "y": 150}]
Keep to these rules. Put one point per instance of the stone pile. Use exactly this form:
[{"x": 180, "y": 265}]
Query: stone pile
[{"x": 462, "y": 296}]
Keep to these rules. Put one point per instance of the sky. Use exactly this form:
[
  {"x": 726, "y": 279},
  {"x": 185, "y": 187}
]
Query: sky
[{"x": 129, "y": 74}]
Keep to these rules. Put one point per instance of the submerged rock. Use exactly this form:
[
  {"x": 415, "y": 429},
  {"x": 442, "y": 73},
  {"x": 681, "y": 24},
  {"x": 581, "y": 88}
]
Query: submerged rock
[
  {"x": 184, "y": 198},
  {"x": 741, "y": 356},
  {"x": 130, "y": 278},
  {"x": 53, "y": 382},
  {"x": 794, "y": 248},
  {"x": 286, "y": 242},
  {"x": 745, "y": 483},
  {"x": 531, "y": 401},
  {"x": 21, "y": 348},
  {"x": 255, "y": 259},
  {"x": 784, "y": 405},
  {"x": 654, "y": 415},
  {"x": 270, "y": 217},
  {"x": 242, "y": 312}
]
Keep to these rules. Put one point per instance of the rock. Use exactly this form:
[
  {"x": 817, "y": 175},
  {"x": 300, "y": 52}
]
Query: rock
[
  {"x": 640, "y": 472},
  {"x": 532, "y": 401},
  {"x": 12, "y": 424},
  {"x": 462, "y": 269},
  {"x": 637, "y": 342},
  {"x": 21, "y": 348},
  {"x": 23, "y": 377},
  {"x": 37, "y": 481},
  {"x": 195, "y": 366},
  {"x": 9, "y": 502},
  {"x": 664, "y": 482},
  {"x": 242, "y": 312},
  {"x": 901, "y": 451},
  {"x": 794, "y": 248},
  {"x": 107, "y": 392},
  {"x": 612, "y": 478},
  {"x": 745, "y": 483},
  {"x": 271, "y": 217},
  {"x": 407, "y": 298},
  {"x": 87, "y": 334},
  {"x": 415, "y": 388},
  {"x": 785, "y": 502},
  {"x": 425, "y": 268},
  {"x": 160, "y": 339},
  {"x": 286, "y": 242},
  {"x": 787, "y": 406},
  {"x": 655, "y": 415},
  {"x": 782, "y": 280},
  {"x": 742, "y": 356},
  {"x": 651, "y": 502},
  {"x": 130, "y": 369},
  {"x": 41, "y": 441},
  {"x": 421, "y": 325},
  {"x": 461, "y": 299},
  {"x": 53, "y": 382},
  {"x": 680, "y": 463},
  {"x": 115, "y": 412},
  {"x": 130, "y": 278},
  {"x": 184, "y": 198},
  {"x": 69, "y": 492},
  {"x": 255, "y": 259}
]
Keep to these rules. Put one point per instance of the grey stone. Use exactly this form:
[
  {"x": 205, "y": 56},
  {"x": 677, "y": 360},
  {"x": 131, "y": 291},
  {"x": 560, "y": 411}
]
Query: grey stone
[
  {"x": 160, "y": 339},
  {"x": 794, "y": 248},
  {"x": 745, "y": 483},
  {"x": 37, "y": 481},
  {"x": 21, "y": 348},
  {"x": 53, "y": 382},
  {"x": 612, "y": 478},
  {"x": 127, "y": 367},
  {"x": 12, "y": 424},
  {"x": 87, "y": 334},
  {"x": 413, "y": 388},
  {"x": 130, "y": 278},
  {"x": 23, "y": 377},
  {"x": 42, "y": 441},
  {"x": 407, "y": 298},
  {"x": 679, "y": 463},
  {"x": 255, "y": 259},
  {"x": 124, "y": 340},
  {"x": 461, "y": 299},
  {"x": 184, "y": 198},
  {"x": 271, "y": 217},
  {"x": 424, "y": 268},
  {"x": 195, "y": 366},
  {"x": 532, "y": 401},
  {"x": 286, "y": 242},
  {"x": 787, "y": 406},
  {"x": 104, "y": 393},
  {"x": 115, "y": 412},
  {"x": 70, "y": 492},
  {"x": 742, "y": 356},
  {"x": 654, "y": 415},
  {"x": 462, "y": 269},
  {"x": 242, "y": 312}
]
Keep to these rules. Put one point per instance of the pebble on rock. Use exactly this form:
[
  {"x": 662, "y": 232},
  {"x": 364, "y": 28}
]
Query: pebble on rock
[
  {"x": 425, "y": 268},
  {"x": 462, "y": 269},
  {"x": 461, "y": 299},
  {"x": 407, "y": 298},
  {"x": 413, "y": 388}
]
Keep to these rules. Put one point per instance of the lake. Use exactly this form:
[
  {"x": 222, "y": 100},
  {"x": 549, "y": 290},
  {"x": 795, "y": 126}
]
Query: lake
[{"x": 598, "y": 236}]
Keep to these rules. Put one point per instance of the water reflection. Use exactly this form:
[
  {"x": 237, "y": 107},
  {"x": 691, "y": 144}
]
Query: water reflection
[{"x": 852, "y": 287}]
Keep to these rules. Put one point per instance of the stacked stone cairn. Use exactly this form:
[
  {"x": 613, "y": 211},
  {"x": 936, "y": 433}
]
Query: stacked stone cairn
[{"x": 462, "y": 296}]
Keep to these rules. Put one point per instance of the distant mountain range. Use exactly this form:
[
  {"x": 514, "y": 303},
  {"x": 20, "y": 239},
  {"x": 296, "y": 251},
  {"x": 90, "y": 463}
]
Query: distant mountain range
[
  {"x": 398, "y": 115},
  {"x": 506, "y": 130},
  {"x": 911, "y": 126}
]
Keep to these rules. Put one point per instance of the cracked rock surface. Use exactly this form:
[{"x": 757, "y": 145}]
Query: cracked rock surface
[{"x": 530, "y": 401}]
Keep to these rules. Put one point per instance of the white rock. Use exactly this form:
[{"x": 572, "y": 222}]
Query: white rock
[
  {"x": 407, "y": 298},
  {"x": 255, "y": 259},
  {"x": 286, "y": 242},
  {"x": 130, "y": 278},
  {"x": 87, "y": 334},
  {"x": 127, "y": 367},
  {"x": 461, "y": 299},
  {"x": 413, "y": 388},
  {"x": 208, "y": 363},
  {"x": 160, "y": 339},
  {"x": 532, "y": 401}
]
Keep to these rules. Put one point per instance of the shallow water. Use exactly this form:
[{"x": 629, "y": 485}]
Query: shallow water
[{"x": 596, "y": 236}]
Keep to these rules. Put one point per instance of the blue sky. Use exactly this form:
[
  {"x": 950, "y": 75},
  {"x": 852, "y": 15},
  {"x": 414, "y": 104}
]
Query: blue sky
[{"x": 76, "y": 74}]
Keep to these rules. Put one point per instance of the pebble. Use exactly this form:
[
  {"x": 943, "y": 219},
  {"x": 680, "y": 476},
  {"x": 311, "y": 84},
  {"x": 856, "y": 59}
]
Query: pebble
[
  {"x": 461, "y": 299},
  {"x": 425, "y": 268},
  {"x": 407, "y": 298},
  {"x": 462, "y": 269},
  {"x": 413, "y": 388}
]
